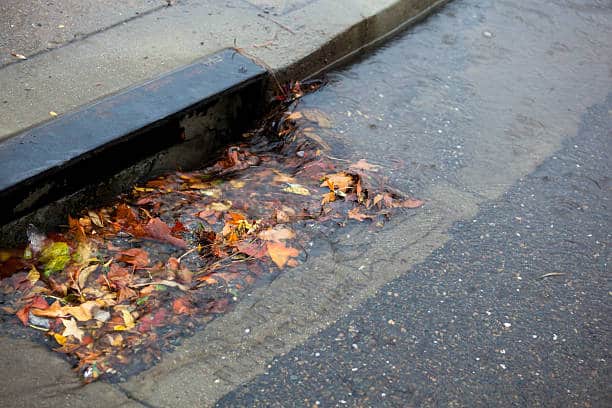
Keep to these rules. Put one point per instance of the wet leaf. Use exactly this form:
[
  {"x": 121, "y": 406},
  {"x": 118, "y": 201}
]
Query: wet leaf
[
  {"x": 134, "y": 256},
  {"x": 364, "y": 165},
  {"x": 341, "y": 181},
  {"x": 60, "y": 339},
  {"x": 276, "y": 234},
  {"x": 355, "y": 214},
  {"x": 297, "y": 189},
  {"x": 33, "y": 275},
  {"x": 55, "y": 257},
  {"x": 315, "y": 115},
  {"x": 72, "y": 329},
  {"x": 280, "y": 253},
  {"x": 84, "y": 275},
  {"x": 411, "y": 203},
  {"x": 157, "y": 229}
]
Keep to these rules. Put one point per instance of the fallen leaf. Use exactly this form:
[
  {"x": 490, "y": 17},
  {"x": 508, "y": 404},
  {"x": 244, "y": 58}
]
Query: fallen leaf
[
  {"x": 276, "y": 234},
  {"x": 280, "y": 253},
  {"x": 297, "y": 189},
  {"x": 134, "y": 256},
  {"x": 182, "y": 306},
  {"x": 33, "y": 275},
  {"x": 55, "y": 257},
  {"x": 364, "y": 165},
  {"x": 356, "y": 215},
  {"x": 61, "y": 340},
  {"x": 116, "y": 340},
  {"x": 72, "y": 329},
  {"x": 341, "y": 181},
  {"x": 52, "y": 114},
  {"x": 84, "y": 275},
  {"x": 220, "y": 206},
  {"x": 254, "y": 249},
  {"x": 95, "y": 219},
  {"x": 159, "y": 230},
  {"x": 294, "y": 116},
  {"x": 411, "y": 203},
  {"x": 237, "y": 184},
  {"x": 316, "y": 116}
]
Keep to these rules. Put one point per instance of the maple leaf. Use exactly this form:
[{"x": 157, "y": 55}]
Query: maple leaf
[
  {"x": 72, "y": 329},
  {"x": 159, "y": 230},
  {"x": 280, "y": 253}
]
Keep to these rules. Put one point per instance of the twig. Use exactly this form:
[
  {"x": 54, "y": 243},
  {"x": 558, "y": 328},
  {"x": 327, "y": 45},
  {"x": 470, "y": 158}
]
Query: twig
[{"x": 547, "y": 275}]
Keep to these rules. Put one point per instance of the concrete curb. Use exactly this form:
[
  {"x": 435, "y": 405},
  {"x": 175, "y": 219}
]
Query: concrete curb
[{"x": 175, "y": 121}]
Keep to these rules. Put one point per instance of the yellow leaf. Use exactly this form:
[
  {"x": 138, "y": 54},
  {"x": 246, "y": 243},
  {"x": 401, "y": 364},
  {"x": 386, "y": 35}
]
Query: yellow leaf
[
  {"x": 127, "y": 318},
  {"x": 116, "y": 340},
  {"x": 294, "y": 116},
  {"x": 237, "y": 184},
  {"x": 297, "y": 189},
  {"x": 33, "y": 275},
  {"x": 220, "y": 206},
  {"x": 61, "y": 340},
  {"x": 53, "y": 114}
]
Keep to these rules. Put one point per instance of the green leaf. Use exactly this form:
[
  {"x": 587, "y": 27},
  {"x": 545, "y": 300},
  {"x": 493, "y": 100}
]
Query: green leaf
[{"x": 55, "y": 257}]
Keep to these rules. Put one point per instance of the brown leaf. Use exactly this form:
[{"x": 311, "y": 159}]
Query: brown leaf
[
  {"x": 134, "y": 256},
  {"x": 159, "y": 230},
  {"x": 280, "y": 253},
  {"x": 254, "y": 249},
  {"x": 411, "y": 203},
  {"x": 364, "y": 165},
  {"x": 356, "y": 215},
  {"x": 341, "y": 181}
]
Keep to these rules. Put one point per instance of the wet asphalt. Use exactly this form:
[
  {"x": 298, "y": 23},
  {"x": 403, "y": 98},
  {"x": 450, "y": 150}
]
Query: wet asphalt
[{"x": 513, "y": 311}]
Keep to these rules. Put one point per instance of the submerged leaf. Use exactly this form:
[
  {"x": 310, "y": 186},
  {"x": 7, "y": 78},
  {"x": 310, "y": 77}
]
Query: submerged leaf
[
  {"x": 280, "y": 253},
  {"x": 55, "y": 257},
  {"x": 297, "y": 189}
]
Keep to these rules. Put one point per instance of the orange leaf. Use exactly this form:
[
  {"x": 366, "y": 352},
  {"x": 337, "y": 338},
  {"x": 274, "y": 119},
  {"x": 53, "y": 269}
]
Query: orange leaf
[
  {"x": 280, "y": 253},
  {"x": 341, "y": 181},
  {"x": 182, "y": 306},
  {"x": 23, "y": 314}
]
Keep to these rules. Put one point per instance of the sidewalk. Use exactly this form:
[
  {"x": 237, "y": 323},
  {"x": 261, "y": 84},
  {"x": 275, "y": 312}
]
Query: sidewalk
[{"x": 92, "y": 49}]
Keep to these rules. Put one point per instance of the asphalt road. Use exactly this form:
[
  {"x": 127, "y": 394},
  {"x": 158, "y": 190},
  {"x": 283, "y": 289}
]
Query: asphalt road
[{"x": 513, "y": 311}]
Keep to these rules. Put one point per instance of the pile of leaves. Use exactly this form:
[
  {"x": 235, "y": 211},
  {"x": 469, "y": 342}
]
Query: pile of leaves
[{"x": 121, "y": 283}]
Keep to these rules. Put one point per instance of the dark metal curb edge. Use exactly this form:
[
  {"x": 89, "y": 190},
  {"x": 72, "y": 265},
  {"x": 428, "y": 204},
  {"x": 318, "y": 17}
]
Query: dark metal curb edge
[{"x": 174, "y": 121}]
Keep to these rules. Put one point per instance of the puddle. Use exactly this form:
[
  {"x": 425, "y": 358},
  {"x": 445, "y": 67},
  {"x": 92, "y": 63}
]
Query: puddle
[{"x": 121, "y": 285}]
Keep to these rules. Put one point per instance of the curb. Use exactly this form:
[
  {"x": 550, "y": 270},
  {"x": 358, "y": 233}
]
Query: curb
[{"x": 90, "y": 155}]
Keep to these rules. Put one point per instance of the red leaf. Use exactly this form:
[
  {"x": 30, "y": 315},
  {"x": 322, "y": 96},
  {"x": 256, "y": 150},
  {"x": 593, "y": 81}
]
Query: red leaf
[
  {"x": 159, "y": 230},
  {"x": 253, "y": 249},
  {"x": 23, "y": 314}
]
